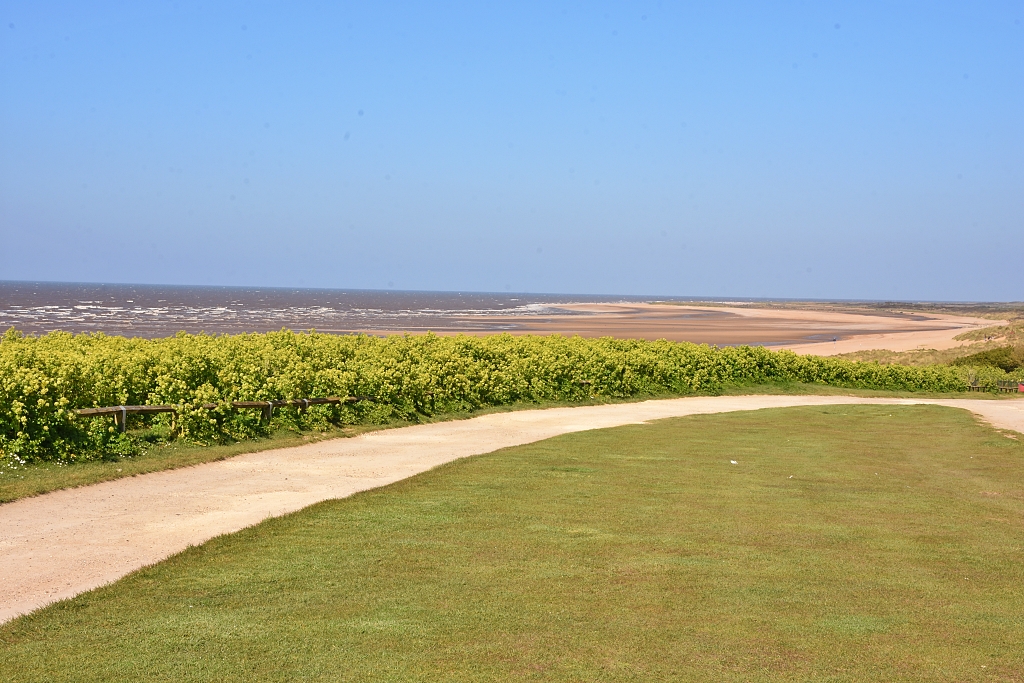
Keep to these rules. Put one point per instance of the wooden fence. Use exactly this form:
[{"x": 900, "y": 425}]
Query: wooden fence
[
  {"x": 121, "y": 413},
  {"x": 1001, "y": 386}
]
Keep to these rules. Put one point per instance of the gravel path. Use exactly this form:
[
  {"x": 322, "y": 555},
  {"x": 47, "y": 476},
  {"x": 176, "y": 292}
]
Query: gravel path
[{"x": 60, "y": 544}]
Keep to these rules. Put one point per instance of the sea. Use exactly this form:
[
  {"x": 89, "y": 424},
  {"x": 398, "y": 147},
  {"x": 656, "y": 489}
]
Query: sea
[{"x": 163, "y": 310}]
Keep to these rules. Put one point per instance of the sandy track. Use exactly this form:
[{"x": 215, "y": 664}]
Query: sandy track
[{"x": 63, "y": 543}]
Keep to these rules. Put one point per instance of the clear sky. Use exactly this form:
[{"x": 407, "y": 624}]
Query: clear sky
[{"x": 811, "y": 149}]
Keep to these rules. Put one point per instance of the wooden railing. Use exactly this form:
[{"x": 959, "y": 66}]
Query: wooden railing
[
  {"x": 121, "y": 413},
  {"x": 1001, "y": 386}
]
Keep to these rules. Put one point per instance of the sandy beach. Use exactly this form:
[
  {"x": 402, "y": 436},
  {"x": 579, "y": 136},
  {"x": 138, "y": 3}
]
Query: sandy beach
[
  {"x": 161, "y": 311},
  {"x": 804, "y": 331}
]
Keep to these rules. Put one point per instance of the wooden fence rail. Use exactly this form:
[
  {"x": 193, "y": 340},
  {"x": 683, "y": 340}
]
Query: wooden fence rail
[
  {"x": 121, "y": 413},
  {"x": 1001, "y": 386}
]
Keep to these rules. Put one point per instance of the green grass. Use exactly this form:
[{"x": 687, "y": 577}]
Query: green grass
[
  {"x": 804, "y": 389},
  {"x": 849, "y": 543},
  {"x": 18, "y": 482}
]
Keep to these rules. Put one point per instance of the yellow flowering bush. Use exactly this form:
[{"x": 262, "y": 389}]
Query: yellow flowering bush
[{"x": 43, "y": 379}]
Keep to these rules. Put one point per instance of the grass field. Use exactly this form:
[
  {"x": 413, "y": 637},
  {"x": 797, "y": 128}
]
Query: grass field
[{"x": 847, "y": 543}]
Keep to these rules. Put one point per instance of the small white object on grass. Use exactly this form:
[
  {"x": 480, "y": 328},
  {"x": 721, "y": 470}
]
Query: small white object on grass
[{"x": 734, "y": 462}]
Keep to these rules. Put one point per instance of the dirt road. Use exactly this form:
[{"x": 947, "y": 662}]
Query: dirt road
[{"x": 63, "y": 543}]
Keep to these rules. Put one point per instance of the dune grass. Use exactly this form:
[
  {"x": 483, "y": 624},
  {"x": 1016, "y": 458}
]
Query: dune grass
[
  {"x": 922, "y": 357},
  {"x": 846, "y": 543}
]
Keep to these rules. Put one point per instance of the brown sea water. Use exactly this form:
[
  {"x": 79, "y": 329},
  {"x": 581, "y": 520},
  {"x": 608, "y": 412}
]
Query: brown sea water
[{"x": 161, "y": 310}]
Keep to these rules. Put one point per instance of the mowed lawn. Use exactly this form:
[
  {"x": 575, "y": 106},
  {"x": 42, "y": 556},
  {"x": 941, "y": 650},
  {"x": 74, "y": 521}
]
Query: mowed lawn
[{"x": 847, "y": 543}]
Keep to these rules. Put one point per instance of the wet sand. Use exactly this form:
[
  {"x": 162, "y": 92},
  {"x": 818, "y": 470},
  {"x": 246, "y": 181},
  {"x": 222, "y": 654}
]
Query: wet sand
[{"x": 803, "y": 331}]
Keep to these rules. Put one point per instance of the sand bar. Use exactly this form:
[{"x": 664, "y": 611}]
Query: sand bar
[
  {"x": 63, "y": 543},
  {"x": 800, "y": 330}
]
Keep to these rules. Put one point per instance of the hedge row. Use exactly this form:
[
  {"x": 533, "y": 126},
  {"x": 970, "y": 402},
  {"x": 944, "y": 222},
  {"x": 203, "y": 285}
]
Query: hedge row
[{"x": 42, "y": 379}]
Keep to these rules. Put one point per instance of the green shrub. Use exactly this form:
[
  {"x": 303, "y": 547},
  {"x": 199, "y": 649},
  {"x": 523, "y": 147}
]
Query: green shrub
[
  {"x": 43, "y": 379},
  {"x": 1006, "y": 358}
]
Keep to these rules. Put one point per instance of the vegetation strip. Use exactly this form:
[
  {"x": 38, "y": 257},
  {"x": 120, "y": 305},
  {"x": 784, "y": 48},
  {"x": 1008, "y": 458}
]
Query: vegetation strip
[
  {"x": 21, "y": 481},
  {"x": 846, "y": 543},
  {"x": 44, "y": 380}
]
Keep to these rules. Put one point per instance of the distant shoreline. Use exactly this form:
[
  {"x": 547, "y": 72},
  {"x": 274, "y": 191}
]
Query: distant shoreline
[{"x": 804, "y": 326}]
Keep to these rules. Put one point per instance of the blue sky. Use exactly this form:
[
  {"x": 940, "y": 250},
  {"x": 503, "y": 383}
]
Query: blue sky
[{"x": 825, "y": 150}]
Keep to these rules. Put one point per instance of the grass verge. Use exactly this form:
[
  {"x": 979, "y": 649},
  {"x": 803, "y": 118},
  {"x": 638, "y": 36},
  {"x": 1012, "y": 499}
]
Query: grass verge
[
  {"x": 38, "y": 478},
  {"x": 846, "y": 543}
]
